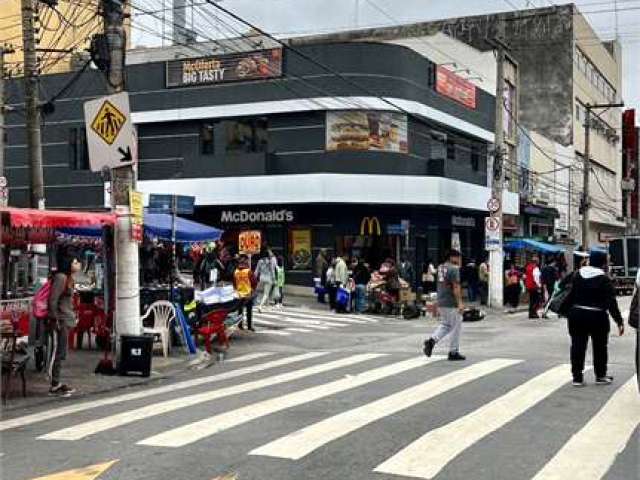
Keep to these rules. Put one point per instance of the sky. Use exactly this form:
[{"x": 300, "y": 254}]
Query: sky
[{"x": 293, "y": 17}]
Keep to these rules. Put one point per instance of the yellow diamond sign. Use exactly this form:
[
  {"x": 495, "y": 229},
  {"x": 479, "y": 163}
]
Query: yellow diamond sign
[{"x": 108, "y": 122}]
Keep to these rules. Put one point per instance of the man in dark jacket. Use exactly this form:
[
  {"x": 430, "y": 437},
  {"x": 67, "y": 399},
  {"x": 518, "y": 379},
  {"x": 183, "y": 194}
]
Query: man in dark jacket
[{"x": 592, "y": 299}]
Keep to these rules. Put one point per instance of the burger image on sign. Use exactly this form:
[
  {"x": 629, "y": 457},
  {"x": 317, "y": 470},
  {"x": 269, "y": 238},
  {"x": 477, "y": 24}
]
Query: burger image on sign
[{"x": 349, "y": 131}]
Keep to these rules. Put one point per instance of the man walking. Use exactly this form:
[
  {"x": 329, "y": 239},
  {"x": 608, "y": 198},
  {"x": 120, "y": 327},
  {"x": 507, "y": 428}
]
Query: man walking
[
  {"x": 533, "y": 283},
  {"x": 341, "y": 274},
  {"x": 450, "y": 307}
]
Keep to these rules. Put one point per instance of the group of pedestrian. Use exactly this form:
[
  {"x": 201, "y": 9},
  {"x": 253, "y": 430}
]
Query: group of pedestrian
[
  {"x": 340, "y": 272},
  {"x": 591, "y": 299}
]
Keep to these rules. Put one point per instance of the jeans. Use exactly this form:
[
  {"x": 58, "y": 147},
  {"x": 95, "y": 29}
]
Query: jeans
[
  {"x": 483, "y": 288},
  {"x": 450, "y": 324},
  {"x": 267, "y": 293},
  {"x": 361, "y": 298}
]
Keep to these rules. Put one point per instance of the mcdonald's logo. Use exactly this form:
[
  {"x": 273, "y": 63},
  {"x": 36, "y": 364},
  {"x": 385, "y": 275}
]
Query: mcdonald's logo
[{"x": 370, "y": 224}]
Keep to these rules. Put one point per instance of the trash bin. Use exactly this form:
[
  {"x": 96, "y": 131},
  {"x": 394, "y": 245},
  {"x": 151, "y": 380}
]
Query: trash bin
[{"x": 135, "y": 355}]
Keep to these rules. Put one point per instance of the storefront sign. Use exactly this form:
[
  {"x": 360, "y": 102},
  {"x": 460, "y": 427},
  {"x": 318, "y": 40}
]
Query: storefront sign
[
  {"x": 250, "y": 242},
  {"x": 370, "y": 226},
  {"x": 455, "y": 241},
  {"x": 367, "y": 131},
  {"x": 453, "y": 86},
  {"x": 245, "y": 216},
  {"x": 395, "y": 229},
  {"x": 300, "y": 249},
  {"x": 136, "y": 204},
  {"x": 163, "y": 203},
  {"x": 457, "y": 221},
  {"x": 225, "y": 68}
]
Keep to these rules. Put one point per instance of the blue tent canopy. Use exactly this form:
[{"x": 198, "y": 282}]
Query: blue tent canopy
[
  {"x": 529, "y": 244},
  {"x": 158, "y": 225}
]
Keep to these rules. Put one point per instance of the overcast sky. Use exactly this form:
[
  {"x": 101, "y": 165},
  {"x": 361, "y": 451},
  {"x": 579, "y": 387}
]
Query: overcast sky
[{"x": 309, "y": 16}]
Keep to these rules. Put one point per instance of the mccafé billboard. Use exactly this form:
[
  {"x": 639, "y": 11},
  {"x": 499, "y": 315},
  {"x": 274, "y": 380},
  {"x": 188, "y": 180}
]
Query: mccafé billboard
[{"x": 234, "y": 67}]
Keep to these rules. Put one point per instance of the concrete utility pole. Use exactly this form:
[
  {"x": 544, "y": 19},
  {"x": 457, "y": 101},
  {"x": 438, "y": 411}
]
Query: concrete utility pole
[
  {"x": 32, "y": 111},
  {"x": 3, "y": 200},
  {"x": 122, "y": 181},
  {"x": 496, "y": 255},
  {"x": 586, "y": 199}
]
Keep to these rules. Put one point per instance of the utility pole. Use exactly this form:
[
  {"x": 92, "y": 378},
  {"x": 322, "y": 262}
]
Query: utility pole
[
  {"x": 4, "y": 50},
  {"x": 586, "y": 199},
  {"x": 31, "y": 99},
  {"x": 122, "y": 182},
  {"x": 496, "y": 254}
]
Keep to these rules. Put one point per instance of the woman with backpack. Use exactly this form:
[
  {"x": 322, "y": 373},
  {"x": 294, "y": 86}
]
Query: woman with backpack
[{"x": 61, "y": 317}]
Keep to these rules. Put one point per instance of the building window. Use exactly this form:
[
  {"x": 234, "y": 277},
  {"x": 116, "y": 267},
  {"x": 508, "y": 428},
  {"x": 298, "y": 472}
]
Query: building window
[
  {"x": 206, "y": 139},
  {"x": 247, "y": 135},
  {"x": 594, "y": 76},
  {"x": 78, "y": 150}
]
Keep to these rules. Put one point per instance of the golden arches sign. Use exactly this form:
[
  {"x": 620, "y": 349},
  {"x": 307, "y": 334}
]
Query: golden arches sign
[{"x": 370, "y": 225}]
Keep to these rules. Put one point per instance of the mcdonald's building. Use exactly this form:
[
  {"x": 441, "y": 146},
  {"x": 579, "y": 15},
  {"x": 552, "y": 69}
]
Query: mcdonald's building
[{"x": 393, "y": 162}]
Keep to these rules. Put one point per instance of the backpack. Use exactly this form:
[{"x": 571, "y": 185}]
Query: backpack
[
  {"x": 40, "y": 302},
  {"x": 560, "y": 301}
]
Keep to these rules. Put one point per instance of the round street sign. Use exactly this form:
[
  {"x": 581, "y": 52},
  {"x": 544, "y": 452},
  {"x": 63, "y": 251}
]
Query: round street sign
[
  {"x": 492, "y": 224},
  {"x": 493, "y": 205},
  {"x": 3, "y": 181}
]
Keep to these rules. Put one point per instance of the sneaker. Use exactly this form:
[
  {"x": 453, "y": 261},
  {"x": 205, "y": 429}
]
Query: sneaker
[
  {"x": 252, "y": 329},
  {"x": 61, "y": 390},
  {"x": 606, "y": 380},
  {"x": 455, "y": 356},
  {"x": 578, "y": 383},
  {"x": 428, "y": 346},
  {"x": 260, "y": 309}
]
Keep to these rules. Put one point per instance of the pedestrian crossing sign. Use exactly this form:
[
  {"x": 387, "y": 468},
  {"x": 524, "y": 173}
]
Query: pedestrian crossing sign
[
  {"x": 108, "y": 122},
  {"x": 111, "y": 139}
]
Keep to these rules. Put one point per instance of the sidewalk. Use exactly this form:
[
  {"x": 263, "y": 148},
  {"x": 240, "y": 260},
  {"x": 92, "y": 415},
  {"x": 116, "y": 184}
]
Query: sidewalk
[{"x": 78, "y": 372}]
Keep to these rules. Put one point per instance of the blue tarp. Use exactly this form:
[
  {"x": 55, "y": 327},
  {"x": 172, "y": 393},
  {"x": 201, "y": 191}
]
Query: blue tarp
[
  {"x": 158, "y": 225},
  {"x": 528, "y": 244}
]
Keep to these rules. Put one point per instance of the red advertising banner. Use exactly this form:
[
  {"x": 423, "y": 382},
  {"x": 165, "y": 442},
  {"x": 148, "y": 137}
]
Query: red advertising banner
[{"x": 455, "y": 87}]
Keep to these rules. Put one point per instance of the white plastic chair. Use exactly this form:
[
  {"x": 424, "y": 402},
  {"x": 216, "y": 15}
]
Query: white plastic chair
[{"x": 163, "y": 313}]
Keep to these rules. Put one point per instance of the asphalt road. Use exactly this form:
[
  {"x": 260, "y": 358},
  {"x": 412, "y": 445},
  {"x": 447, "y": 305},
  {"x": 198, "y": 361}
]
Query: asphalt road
[{"x": 312, "y": 395}]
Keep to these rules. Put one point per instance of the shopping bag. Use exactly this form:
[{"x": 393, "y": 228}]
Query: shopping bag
[{"x": 342, "y": 297}]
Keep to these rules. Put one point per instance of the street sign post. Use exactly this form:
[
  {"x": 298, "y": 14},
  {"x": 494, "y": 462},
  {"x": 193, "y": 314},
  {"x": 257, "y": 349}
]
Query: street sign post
[
  {"x": 110, "y": 135},
  {"x": 493, "y": 205},
  {"x": 163, "y": 203},
  {"x": 492, "y": 233}
]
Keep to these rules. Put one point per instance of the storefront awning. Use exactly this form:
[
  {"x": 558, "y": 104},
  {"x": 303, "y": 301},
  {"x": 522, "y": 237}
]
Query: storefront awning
[
  {"x": 529, "y": 244},
  {"x": 54, "y": 219},
  {"x": 158, "y": 225}
]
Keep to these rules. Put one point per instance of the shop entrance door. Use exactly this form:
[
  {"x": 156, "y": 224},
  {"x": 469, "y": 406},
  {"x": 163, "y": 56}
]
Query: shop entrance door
[{"x": 374, "y": 250}]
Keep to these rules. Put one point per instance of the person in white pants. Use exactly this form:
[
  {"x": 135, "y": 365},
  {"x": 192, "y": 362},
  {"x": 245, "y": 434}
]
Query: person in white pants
[
  {"x": 266, "y": 274},
  {"x": 450, "y": 307}
]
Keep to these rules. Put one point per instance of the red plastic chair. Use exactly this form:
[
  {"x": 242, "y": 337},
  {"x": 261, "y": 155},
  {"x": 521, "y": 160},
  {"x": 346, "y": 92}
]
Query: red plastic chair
[
  {"x": 86, "y": 320},
  {"x": 213, "y": 325}
]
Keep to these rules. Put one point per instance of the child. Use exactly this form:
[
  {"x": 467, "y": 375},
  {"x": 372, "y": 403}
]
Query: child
[{"x": 279, "y": 282}]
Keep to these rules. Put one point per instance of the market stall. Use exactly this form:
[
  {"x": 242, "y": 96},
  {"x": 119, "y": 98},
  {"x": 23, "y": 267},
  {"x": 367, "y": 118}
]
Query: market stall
[{"x": 29, "y": 238}]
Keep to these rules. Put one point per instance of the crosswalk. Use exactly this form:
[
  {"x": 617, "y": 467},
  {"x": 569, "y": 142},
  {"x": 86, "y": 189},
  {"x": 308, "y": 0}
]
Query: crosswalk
[
  {"x": 368, "y": 389},
  {"x": 290, "y": 321}
]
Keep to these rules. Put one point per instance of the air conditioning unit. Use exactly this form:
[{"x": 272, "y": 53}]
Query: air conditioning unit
[{"x": 541, "y": 198}]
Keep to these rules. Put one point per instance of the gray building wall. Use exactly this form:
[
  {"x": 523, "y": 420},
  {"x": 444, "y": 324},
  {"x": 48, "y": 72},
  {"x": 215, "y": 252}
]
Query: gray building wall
[{"x": 541, "y": 41}]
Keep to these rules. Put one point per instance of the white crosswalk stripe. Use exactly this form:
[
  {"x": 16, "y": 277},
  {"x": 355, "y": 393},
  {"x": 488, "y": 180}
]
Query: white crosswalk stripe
[
  {"x": 589, "y": 454},
  {"x": 250, "y": 356},
  {"x": 261, "y": 320},
  {"x": 193, "y": 432},
  {"x": 80, "y": 407},
  {"x": 298, "y": 321},
  {"x": 275, "y": 332},
  {"x": 421, "y": 385},
  {"x": 357, "y": 319},
  {"x": 106, "y": 423},
  {"x": 428, "y": 455},
  {"x": 303, "y": 442}
]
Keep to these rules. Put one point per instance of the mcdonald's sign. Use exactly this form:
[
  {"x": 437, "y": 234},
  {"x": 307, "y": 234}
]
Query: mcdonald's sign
[{"x": 370, "y": 225}]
